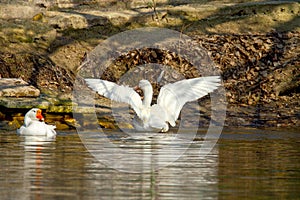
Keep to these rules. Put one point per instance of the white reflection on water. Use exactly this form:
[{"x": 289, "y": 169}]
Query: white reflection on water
[
  {"x": 34, "y": 163},
  {"x": 36, "y": 142},
  {"x": 142, "y": 152},
  {"x": 188, "y": 177}
]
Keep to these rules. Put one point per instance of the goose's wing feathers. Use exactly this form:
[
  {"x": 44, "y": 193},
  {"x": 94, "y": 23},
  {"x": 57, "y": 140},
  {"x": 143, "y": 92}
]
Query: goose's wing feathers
[
  {"x": 116, "y": 92},
  {"x": 50, "y": 132},
  {"x": 173, "y": 96}
]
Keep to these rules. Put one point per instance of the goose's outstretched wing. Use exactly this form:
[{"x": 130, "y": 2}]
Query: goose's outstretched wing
[
  {"x": 116, "y": 92},
  {"x": 173, "y": 96}
]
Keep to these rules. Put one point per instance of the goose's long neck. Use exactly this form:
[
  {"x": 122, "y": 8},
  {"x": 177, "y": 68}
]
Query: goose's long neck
[{"x": 148, "y": 93}]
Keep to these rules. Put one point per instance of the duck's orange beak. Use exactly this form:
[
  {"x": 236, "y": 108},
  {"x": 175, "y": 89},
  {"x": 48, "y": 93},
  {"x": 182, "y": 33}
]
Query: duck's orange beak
[{"x": 39, "y": 115}]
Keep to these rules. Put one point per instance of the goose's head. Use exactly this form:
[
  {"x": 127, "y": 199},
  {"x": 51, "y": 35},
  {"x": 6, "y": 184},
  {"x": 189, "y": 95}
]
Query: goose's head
[
  {"x": 34, "y": 114},
  {"x": 144, "y": 85},
  {"x": 143, "y": 88}
]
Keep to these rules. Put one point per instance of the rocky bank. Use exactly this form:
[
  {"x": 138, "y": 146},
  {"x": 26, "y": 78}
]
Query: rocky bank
[{"x": 255, "y": 45}]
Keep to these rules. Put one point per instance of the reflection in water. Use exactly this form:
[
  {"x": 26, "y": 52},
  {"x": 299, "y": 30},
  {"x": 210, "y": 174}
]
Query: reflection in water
[
  {"x": 249, "y": 164},
  {"x": 139, "y": 153},
  {"x": 22, "y": 166},
  {"x": 188, "y": 177},
  {"x": 34, "y": 162}
]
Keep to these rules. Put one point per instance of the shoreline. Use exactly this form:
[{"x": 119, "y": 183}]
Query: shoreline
[{"x": 259, "y": 63}]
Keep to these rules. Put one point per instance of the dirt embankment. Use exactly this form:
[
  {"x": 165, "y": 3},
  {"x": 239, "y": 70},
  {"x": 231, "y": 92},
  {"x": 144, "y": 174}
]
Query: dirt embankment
[{"x": 256, "y": 46}]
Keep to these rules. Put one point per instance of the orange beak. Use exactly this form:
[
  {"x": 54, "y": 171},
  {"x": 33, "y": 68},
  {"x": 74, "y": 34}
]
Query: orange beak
[{"x": 39, "y": 115}]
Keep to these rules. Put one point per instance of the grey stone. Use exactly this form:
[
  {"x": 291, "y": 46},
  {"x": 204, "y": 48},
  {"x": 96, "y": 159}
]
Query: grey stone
[{"x": 14, "y": 87}]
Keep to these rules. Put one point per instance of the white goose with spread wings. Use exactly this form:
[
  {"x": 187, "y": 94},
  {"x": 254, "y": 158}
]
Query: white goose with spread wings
[{"x": 171, "y": 99}]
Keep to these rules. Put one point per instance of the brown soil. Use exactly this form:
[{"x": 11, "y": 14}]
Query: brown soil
[{"x": 255, "y": 47}]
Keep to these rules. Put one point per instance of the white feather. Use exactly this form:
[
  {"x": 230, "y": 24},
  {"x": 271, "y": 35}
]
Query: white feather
[
  {"x": 117, "y": 93},
  {"x": 173, "y": 96},
  {"x": 171, "y": 99}
]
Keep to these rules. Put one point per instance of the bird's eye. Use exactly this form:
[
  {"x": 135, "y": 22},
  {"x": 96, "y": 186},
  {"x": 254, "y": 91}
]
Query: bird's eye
[{"x": 34, "y": 111}]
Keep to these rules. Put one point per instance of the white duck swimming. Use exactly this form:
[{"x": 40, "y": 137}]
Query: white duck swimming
[
  {"x": 171, "y": 99},
  {"x": 34, "y": 125}
]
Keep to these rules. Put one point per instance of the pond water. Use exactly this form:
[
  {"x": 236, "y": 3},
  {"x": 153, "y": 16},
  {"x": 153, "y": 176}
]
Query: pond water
[{"x": 245, "y": 163}]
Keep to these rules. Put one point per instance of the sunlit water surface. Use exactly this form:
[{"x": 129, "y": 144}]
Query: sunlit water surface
[{"x": 245, "y": 163}]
